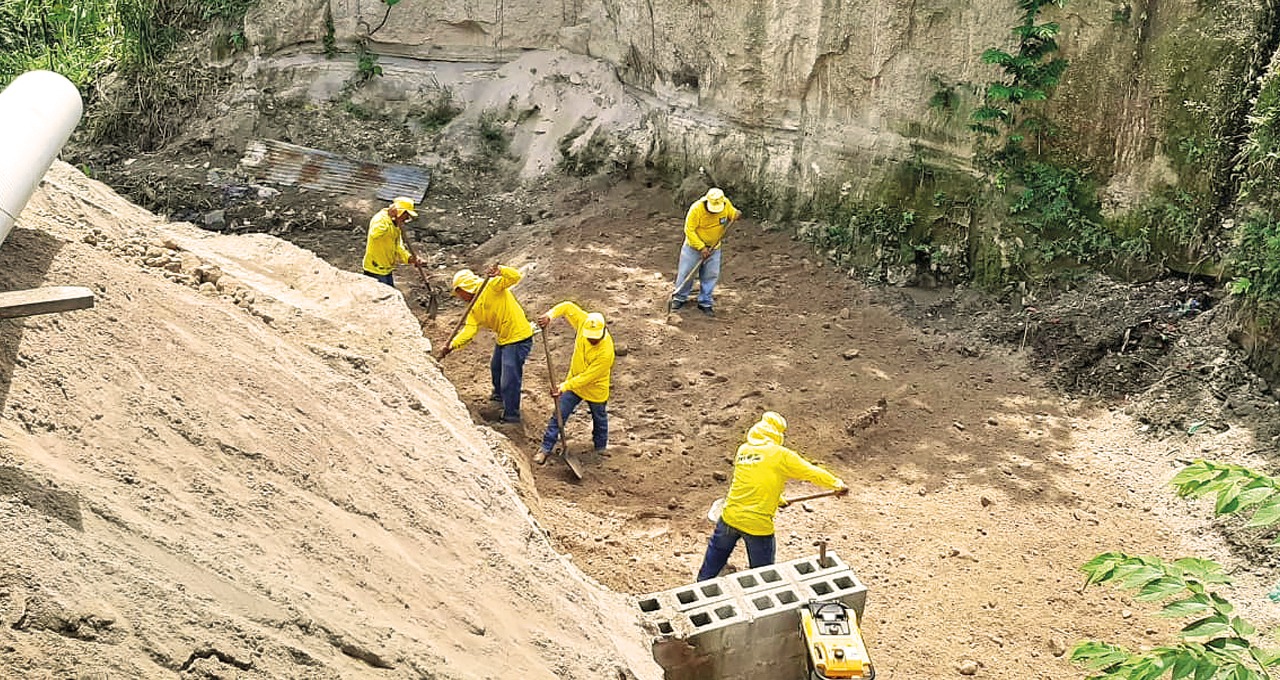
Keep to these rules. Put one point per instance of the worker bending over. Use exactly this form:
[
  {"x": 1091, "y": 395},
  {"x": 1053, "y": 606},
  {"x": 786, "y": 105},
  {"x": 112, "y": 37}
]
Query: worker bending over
[
  {"x": 498, "y": 310},
  {"x": 704, "y": 228},
  {"x": 588, "y": 378},
  {"x": 760, "y": 472},
  {"x": 384, "y": 246}
]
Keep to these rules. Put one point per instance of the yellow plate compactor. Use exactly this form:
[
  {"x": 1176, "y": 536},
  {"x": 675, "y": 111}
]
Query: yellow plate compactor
[{"x": 834, "y": 642}]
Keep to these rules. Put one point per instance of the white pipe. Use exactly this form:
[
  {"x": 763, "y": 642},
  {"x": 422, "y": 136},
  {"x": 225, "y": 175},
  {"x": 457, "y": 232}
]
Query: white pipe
[{"x": 38, "y": 111}]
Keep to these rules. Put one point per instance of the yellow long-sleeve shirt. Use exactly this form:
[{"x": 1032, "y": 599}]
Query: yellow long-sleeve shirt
[
  {"x": 760, "y": 473},
  {"x": 704, "y": 229},
  {"x": 590, "y": 368},
  {"x": 384, "y": 247},
  {"x": 498, "y": 310}
]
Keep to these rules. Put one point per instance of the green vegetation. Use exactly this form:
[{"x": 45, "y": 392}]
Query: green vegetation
[
  {"x": 494, "y": 139},
  {"x": 587, "y": 160},
  {"x": 1030, "y": 76},
  {"x": 1217, "y": 644},
  {"x": 439, "y": 110},
  {"x": 88, "y": 39},
  {"x": 1256, "y": 262}
]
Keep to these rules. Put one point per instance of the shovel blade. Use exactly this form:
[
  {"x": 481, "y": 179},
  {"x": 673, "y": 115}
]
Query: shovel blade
[
  {"x": 717, "y": 509},
  {"x": 574, "y": 463}
]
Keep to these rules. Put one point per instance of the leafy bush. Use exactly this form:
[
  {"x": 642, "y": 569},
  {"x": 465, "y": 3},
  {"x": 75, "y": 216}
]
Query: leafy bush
[
  {"x": 1216, "y": 644},
  {"x": 1256, "y": 259}
]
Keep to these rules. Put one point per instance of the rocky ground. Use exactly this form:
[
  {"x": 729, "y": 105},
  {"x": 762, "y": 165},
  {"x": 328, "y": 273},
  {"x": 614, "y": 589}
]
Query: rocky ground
[{"x": 994, "y": 443}]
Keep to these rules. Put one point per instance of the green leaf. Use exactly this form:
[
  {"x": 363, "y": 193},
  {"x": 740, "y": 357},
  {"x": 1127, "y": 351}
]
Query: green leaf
[
  {"x": 1242, "y": 628},
  {"x": 1141, "y": 576},
  {"x": 1098, "y": 656},
  {"x": 1183, "y": 666},
  {"x": 1160, "y": 588},
  {"x": 1207, "y": 627},
  {"x": 1205, "y": 570},
  {"x": 1266, "y": 515},
  {"x": 1191, "y": 606}
]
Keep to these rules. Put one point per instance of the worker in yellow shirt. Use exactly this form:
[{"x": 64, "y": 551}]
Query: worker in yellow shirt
[
  {"x": 704, "y": 227},
  {"x": 384, "y": 247},
  {"x": 760, "y": 472},
  {"x": 588, "y": 378},
  {"x": 499, "y": 311}
]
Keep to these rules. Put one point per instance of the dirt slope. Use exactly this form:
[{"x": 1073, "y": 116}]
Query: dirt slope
[
  {"x": 978, "y": 491},
  {"x": 260, "y": 477}
]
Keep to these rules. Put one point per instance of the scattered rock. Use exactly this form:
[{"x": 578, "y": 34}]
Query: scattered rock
[
  {"x": 868, "y": 417},
  {"x": 674, "y": 320},
  {"x": 958, "y": 425},
  {"x": 621, "y": 349},
  {"x": 1057, "y": 646},
  {"x": 993, "y": 422},
  {"x": 215, "y": 220},
  {"x": 986, "y": 502},
  {"x": 851, "y": 354},
  {"x": 1126, "y": 614},
  {"x": 844, "y": 314},
  {"x": 719, "y": 476},
  {"x": 673, "y": 504},
  {"x": 968, "y": 667}
]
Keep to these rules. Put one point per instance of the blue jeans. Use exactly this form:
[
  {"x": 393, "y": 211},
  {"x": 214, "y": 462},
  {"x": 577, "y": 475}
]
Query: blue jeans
[
  {"x": 707, "y": 278},
  {"x": 599, "y": 421},
  {"x": 760, "y": 550},
  {"x": 507, "y": 370},
  {"x": 381, "y": 278}
]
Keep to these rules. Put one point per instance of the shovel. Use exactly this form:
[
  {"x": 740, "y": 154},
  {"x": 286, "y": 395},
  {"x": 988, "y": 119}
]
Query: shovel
[
  {"x": 575, "y": 465},
  {"x": 717, "y": 508},
  {"x": 433, "y": 298}
]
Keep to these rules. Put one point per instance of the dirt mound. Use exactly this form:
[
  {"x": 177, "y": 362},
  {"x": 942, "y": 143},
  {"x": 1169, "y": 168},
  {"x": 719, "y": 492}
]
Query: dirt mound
[
  {"x": 978, "y": 488},
  {"x": 241, "y": 463}
]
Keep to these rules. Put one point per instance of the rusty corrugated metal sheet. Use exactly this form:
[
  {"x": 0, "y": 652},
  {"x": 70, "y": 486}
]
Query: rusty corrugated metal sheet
[{"x": 272, "y": 160}]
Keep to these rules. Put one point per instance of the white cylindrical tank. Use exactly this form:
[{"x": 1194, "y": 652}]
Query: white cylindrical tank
[{"x": 38, "y": 111}]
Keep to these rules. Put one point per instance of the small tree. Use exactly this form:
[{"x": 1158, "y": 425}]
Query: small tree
[{"x": 1216, "y": 644}]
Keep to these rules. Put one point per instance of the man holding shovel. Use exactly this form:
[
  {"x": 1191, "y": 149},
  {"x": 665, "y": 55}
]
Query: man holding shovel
[
  {"x": 760, "y": 472},
  {"x": 384, "y": 246},
  {"x": 588, "y": 378},
  {"x": 704, "y": 227},
  {"x": 493, "y": 306}
]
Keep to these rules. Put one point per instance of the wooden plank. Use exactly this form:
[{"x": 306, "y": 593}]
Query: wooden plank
[{"x": 32, "y": 301}]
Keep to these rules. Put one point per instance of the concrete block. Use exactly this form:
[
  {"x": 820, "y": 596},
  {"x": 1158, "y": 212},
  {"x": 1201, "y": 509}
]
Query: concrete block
[
  {"x": 760, "y": 578},
  {"x": 842, "y": 585},
  {"x": 700, "y": 594},
  {"x": 774, "y": 612},
  {"x": 718, "y": 626},
  {"x": 808, "y": 568}
]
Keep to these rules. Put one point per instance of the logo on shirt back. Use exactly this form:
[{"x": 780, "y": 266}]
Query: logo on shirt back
[{"x": 748, "y": 458}]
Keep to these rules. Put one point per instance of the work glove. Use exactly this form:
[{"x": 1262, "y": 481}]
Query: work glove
[
  {"x": 543, "y": 320},
  {"x": 493, "y": 271}
]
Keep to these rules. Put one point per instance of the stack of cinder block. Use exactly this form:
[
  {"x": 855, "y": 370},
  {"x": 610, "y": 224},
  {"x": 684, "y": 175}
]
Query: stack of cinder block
[{"x": 746, "y": 625}]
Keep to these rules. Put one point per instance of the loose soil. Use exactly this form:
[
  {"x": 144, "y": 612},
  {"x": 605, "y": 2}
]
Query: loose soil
[
  {"x": 979, "y": 489},
  {"x": 1017, "y": 438}
]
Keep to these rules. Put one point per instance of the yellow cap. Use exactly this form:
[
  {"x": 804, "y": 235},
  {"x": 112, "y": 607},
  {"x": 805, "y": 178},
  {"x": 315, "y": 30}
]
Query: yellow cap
[
  {"x": 405, "y": 205},
  {"x": 715, "y": 200},
  {"x": 467, "y": 280},
  {"x": 775, "y": 421},
  {"x": 593, "y": 326}
]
